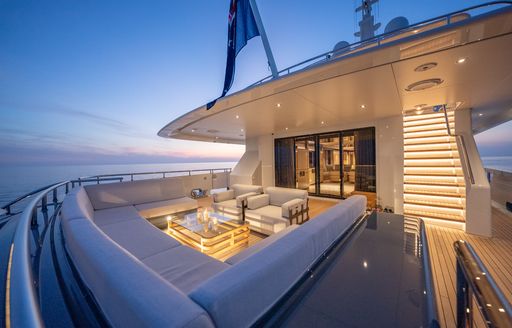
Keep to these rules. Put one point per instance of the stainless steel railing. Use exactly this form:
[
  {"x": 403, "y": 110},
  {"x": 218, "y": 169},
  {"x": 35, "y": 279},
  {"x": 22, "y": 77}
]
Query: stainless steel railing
[
  {"x": 377, "y": 40},
  {"x": 22, "y": 297},
  {"x": 473, "y": 280},
  {"x": 463, "y": 148}
]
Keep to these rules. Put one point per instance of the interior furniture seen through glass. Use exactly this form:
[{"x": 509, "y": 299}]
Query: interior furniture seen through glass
[{"x": 334, "y": 164}]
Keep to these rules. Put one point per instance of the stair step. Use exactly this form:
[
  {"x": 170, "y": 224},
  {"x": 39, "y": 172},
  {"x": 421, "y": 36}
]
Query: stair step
[
  {"x": 427, "y": 127},
  {"x": 445, "y": 140},
  {"x": 447, "y": 146},
  {"x": 436, "y": 183},
  {"x": 413, "y": 215},
  {"x": 427, "y": 121},
  {"x": 441, "y": 216},
  {"x": 429, "y": 162},
  {"x": 426, "y": 116},
  {"x": 426, "y": 134},
  {"x": 435, "y": 193}
]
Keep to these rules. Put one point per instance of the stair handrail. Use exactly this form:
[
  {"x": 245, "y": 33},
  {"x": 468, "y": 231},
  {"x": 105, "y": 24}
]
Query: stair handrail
[
  {"x": 473, "y": 279},
  {"x": 464, "y": 151}
]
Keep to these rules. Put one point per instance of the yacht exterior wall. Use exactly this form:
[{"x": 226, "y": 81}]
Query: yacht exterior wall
[{"x": 389, "y": 156}]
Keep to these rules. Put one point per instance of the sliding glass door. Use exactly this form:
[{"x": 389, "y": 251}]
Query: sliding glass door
[
  {"x": 305, "y": 164},
  {"x": 329, "y": 165},
  {"x": 334, "y": 164}
]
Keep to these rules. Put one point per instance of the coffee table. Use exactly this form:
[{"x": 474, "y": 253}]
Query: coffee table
[{"x": 214, "y": 235}]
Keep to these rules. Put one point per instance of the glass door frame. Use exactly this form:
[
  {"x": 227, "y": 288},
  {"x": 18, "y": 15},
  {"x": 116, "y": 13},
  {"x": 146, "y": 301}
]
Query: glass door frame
[{"x": 316, "y": 137}]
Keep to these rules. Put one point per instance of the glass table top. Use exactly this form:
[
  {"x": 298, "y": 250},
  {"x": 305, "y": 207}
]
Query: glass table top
[{"x": 207, "y": 224}]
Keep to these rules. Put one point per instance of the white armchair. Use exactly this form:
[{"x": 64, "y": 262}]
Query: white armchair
[
  {"x": 231, "y": 201},
  {"x": 276, "y": 209}
]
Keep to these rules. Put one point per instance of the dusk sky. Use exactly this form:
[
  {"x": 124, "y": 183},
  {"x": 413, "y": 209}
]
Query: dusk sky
[{"x": 94, "y": 81}]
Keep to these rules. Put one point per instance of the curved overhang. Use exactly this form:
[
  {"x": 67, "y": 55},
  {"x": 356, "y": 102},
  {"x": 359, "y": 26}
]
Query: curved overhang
[{"x": 369, "y": 83}]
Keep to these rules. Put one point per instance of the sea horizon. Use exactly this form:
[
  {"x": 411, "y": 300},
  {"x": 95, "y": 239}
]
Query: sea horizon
[{"x": 17, "y": 180}]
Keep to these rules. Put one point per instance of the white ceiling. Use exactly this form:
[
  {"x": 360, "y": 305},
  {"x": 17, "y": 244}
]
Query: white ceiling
[{"x": 333, "y": 93}]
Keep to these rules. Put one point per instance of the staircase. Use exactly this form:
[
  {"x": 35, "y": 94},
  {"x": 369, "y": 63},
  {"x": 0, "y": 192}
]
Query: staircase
[{"x": 434, "y": 185}]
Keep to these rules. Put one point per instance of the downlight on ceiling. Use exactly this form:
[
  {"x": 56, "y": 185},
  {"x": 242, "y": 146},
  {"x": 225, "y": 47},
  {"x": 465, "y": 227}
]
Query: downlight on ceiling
[
  {"x": 424, "y": 84},
  {"x": 461, "y": 60},
  {"x": 425, "y": 67},
  {"x": 363, "y": 106}
]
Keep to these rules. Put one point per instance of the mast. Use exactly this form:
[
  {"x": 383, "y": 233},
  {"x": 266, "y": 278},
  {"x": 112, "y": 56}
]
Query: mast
[{"x": 367, "y": 26}]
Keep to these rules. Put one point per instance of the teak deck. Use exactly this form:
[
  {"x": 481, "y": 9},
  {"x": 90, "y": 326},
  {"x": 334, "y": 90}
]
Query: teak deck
[{"x": 495, "y": 253}]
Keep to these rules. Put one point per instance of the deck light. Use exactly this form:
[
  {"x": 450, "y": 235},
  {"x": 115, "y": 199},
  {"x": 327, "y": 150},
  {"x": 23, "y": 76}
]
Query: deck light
[
  {"x": 365, "y": 264},
  {"x": 501, "y": 310},
  {"x": 193, "y": 130},
  {"x": 415, "y": 31},
  {"x": 461, "y": 60}
]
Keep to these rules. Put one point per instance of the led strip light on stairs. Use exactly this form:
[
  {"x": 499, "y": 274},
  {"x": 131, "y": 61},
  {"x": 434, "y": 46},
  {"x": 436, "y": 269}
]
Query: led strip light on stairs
[{"x": 434, "y": 187}]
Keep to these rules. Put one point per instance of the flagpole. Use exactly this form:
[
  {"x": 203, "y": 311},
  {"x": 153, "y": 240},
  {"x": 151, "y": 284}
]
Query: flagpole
[{"x": 263, "y": 34}]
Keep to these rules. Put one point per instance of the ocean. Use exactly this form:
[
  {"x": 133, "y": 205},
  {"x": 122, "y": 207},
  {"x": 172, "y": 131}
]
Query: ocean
[
  {"x": 19, "y": 180},
  {"x": 16, "y": 181}
]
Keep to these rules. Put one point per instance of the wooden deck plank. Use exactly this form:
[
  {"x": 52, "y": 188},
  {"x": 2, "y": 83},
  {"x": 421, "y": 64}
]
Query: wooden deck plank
[{"x": 495, "y": 253}]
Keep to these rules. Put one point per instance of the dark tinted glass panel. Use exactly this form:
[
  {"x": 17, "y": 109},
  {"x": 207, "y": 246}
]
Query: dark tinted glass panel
[
  {"x": 284, "y": 159},
  {"x": 365, "y": 177}
]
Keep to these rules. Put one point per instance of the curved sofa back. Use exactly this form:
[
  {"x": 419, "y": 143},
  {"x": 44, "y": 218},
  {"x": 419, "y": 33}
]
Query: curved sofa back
[
  {"x": 241, "y": 294},
  {"x": 119, "y": 194},
  {"x": 128, "y": 293}
]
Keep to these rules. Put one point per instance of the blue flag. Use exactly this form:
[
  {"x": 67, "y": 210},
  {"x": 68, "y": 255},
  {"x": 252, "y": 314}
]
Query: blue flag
[{"x": 241, "y": 28}]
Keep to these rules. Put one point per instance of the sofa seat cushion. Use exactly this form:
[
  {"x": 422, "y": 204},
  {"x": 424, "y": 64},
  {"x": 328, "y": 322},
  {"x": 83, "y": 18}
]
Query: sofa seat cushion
[
  {"x": 227, "y": 206},
  {"x": 139, "y": 237},
  {"x": 266, "y": 219},
  {"x": 127, "y": 292},
  {"x": 260, "y": 245},
  {"x": 184, "y": 267},
  {"x": 115, "y": 215},
  {"x": 165, "y": 207}
]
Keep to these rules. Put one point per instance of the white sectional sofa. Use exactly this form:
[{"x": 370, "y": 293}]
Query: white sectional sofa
[
  {"x": 140, "y": 277},
  {"x": 274, "y": 210},
  {"x": 151, "y": 199},
  {"x": 231, "y": 201}
]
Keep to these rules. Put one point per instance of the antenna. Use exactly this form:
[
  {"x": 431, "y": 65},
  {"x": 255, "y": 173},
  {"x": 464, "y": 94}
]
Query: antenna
[{"x": 367, "y": 27}]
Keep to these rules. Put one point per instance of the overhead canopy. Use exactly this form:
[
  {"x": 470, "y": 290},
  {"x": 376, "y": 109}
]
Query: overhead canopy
[{"x": 471, "y": 61}]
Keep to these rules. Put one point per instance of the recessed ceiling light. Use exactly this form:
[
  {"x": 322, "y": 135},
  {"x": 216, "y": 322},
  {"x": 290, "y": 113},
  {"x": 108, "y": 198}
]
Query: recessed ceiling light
[
  {"x": 322, "y": 122},
  {"x": 363, "y": 106},
  {"x": 278, "y": 105},
  {"x": 242, "y": 130},
  {"x": 237, "y": 117},
  {"x": 286, "y": 129},
  {"x": 216, "y": 137},
  {"x": 415, "y": 31},
  {"x": 480, "y": 114},
  {"x": 193, "y": 130},
  {"x": 461, "y": 60}
]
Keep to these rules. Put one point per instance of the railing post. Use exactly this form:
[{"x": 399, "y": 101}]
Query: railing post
[
  {"x": 67, "y": 188},
  {"x": 97, "y": 180},
  {"x": 44, "y": 203},
  {"x": 163, "y": 175},
  {"x": 131, "y": 177},
  {"x": 33, "y": 220},
  {"x": 8, "y": 210},
  {"x": 464, "y": 301},
  {"x": 55, "y": 200}
]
